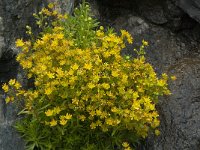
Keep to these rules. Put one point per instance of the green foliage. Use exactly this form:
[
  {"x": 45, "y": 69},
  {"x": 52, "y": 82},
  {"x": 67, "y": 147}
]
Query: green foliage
[
  {"x": 86, "y": 96},
  {"x": 80, "y": 28}
]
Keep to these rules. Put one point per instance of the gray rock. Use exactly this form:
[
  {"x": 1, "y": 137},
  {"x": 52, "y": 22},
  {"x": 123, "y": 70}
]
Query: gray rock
[
  {"x": 2, "y": 44},
  {"x": 192, "y": 7},
  {"x": 180, "y": 112},
  {"x": 154, "y": 14},
  {"x": 135, "y": 24},
  {"x": 64, "y": 6},
  {"x": 9, "y": 139},
  {"x": 94, "y": 8}
]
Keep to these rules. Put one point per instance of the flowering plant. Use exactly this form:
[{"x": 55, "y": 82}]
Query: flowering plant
[{"x": 85, "y": 95}]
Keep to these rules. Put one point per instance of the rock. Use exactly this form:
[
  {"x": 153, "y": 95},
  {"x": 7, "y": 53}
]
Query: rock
[
  {"x": 154, "y": 12},
  {"x": 15, "y": 16},
  {"x": 64, "y": 6},
  {"x": 2, "y": 43},
  {"x": 94, "y": 9},
  {"x": 135, "y": 24},
  {"x": 9, "y": 139},
  {"x": 191, "y": 7},
  {"x": 180, "y": 112}
]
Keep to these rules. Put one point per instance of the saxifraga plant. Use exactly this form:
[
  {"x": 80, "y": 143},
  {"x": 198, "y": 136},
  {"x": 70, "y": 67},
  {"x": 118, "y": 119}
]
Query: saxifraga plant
[{"x": 86, "y": 96}]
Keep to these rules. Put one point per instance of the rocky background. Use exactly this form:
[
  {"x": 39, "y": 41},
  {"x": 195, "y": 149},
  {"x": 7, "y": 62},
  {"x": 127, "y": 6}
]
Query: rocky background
[{"x": 172, "y": 28}]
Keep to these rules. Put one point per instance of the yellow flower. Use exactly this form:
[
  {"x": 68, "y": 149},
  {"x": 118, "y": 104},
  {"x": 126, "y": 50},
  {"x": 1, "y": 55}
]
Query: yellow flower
[
  {"x": 125, "y": 144},
  {"x": 43, "y": 67},
  {"x": 75, "y": 101},
  {"x": 21, "y": 92},
  {"x": 91, "y": 85},
  {"x": 106, "y": 86},
  {"x": 46, "y": 12},
  {"x": 106, "y": 54},
  {"x": 62, "y": 62},
  {"x": 145, "y": 43},
  {"x": 156, "y": 123},
  {"x": 19, "y": 43},
  {"x": 12, "y": 82},
  {"x": 109, "y": 121},
  {"x": 5, "y": 87},
  {"x": 60, "y": 36},
  {"x": 115, "y": 73},
  {"x": 98, "y": 112},
  {"x": 35, "y": 94},
  {"x": 72, "y": 79},
  {"x": 114, "y": 109},
  {"x": 127, "y": 35},
  {"x": 75, "y": 67},
  {"x": 92, "y": 113},
  {"x": 49, "y": 112},
  {"x": 55, "y": 12},
  {"x": 57, "y": 110},
  {"x": 71, "y": 72},
  {"x": 96, "y": 78},
  {"x": 161, "y": 82},
  {"x": 53, "y": 123},
  {"x": 82, "y": 117},
  {"x": 46, "y": 37},
  {"x": 17, "y": 85},
  {"x": 88, "y": 66},
  {"x": 48, "y": 91},
  {"x": 50, "y": 5},
  {"x": 99, "y": 33},
  {"x": 68, "y": 116},
  {"x": 98, "y": 123},
  {"x": 93, "y": 125},
  {"x": 136, "y": 105},
  {"x": 157, "y": 132},
  {"x": 59, "y": 72},
  {"x": 54, "y": 43},
  {"x": 128, "y": 148},
  {"x": 29, "y": 75},
  {"x": 50, "y": 75},
  {"x": 63, "y": 122},
  {"x": 103, "y": 115},
  {"x": 62, "y": 16},
  {"x": 124, "y": 78},
  {"x": 9, "y": 99},
  {"x": 58, "y": 28},
  {"x": 173, "y": 78}
]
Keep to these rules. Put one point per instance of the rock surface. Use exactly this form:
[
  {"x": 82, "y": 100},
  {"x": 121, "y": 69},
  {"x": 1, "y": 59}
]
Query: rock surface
[
  {"x": 180, "y": 112},
  {"x": 174, "y": 39},
  {"x": 192, "y": 7}
]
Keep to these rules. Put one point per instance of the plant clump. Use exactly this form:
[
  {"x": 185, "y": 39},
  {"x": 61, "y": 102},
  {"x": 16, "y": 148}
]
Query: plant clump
[{"x": 86, "y": 95}]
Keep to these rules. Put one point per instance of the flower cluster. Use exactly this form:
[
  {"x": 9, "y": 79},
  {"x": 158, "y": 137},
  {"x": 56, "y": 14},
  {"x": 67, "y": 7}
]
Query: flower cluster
[{"x": 94, "y": 86}]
